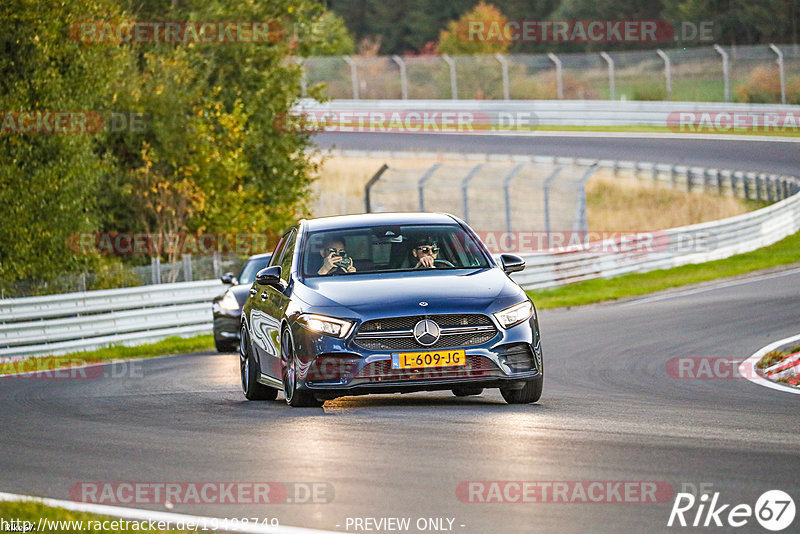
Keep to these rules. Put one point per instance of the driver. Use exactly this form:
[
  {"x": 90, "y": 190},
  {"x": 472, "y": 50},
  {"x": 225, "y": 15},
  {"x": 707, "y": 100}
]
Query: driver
[
  {"x": 425, "y": 251},
  {"x": 335, "y": 259}
]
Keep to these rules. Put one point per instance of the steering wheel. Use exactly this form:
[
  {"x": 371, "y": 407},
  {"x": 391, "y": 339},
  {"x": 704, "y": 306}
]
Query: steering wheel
[{"x": 442, "y": 263}]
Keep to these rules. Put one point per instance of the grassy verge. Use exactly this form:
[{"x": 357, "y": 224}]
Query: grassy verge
[
  {"x": 784, "y": 252},
  {"x": 91, "y": 523},
  {"x": 171, "y": 345}
]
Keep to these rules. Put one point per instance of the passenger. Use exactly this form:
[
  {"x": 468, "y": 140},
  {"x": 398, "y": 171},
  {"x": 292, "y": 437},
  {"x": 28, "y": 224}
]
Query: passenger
[{"x": 335, "y": 258}]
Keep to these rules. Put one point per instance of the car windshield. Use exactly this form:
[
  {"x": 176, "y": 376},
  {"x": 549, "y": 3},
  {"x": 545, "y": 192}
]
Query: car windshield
[
  {"x": 249, "y": 269},
  {"x": 391, "y": 248}
]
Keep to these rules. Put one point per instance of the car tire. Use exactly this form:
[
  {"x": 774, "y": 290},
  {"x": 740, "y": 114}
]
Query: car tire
[
  {"x": 294, "y": 397},
  {"x": 526, "y": 395},
  {"x": 225, "y": 347},
  {"x": 467, "y": 391},
  {"x": 250, "y": 371}
]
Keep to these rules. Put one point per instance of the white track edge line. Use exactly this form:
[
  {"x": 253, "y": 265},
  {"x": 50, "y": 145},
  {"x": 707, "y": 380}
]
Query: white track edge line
[
  {"x": 149, "y": 515},
  {"x": 712, "y": 287},
  {"x": 747, "y": 368}
]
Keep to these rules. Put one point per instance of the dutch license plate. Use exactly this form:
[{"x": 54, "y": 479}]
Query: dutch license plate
[{"x": 433, "y": 358}]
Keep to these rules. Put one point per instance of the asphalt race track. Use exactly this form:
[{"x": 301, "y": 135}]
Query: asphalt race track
[
  {"x": 740, "y": 155},
  {"x": 610, "y": 412}
]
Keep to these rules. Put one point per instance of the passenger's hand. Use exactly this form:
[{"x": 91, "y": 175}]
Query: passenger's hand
[{"x": 330, "y": 263}]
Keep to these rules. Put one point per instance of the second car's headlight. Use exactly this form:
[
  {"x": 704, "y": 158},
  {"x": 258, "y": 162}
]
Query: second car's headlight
[
  {"x": 325, "y": 325},
  {"x": 229, "y": 302},
  {"x": 514, "y": 315}
]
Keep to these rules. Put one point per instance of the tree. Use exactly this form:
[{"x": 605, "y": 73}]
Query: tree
[{"x": 479, "y": 31}]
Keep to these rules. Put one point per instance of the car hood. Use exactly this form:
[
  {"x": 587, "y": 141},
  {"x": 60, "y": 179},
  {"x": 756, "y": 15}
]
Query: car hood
[{"x": 397, "y": 294}]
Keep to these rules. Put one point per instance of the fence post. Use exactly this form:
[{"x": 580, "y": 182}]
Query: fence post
[
  {"x": 504, "y": 66},
  {"x": 725, "y": 72},
  {"x": 353, "y": 75},
  {"x": 464, "y": 189},
  {"x": 187, "y": 267},
  {"x": 453, "y": 83},
  {"x": 421, "y": 184},
  {"x": 781, "y": 71},
  {"x": 667, "y": 72},
  {"x": 506, "y": 185},
  {"x": 303, "y": 80},
  {"x": 155, "y": 270},
  {"x": 581, "y": 223},
  {"x": 612, "y": 85},
  {"x": 368, "y": 187},
  {"x": 559, "y": 77},
  {"x": 403, "y": 78},
  {"x": 546, "y": 188},
  {"x": 216, "y": 262}
]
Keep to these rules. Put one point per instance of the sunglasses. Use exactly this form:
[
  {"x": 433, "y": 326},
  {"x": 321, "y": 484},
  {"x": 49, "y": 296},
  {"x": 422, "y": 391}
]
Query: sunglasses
[
  {"x": 337, "y": 252},
  {"x": 428, "y": 250}
]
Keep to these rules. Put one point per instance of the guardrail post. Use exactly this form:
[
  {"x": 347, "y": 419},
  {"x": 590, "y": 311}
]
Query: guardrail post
[
  {"x": 770, "y": 181},
  {"x": 781, "y": 71},
  {"x": 506, "y": 186},
  {"x": 403, "y": 78},
  {"x": 465, "y": 189},
  {"x": 718, "y": 176},
  {"x": 726, "y": 78},
  {"x": 559, "y": 75},
  {"x": 155, "y": 270},
  {"x": 368, "y": 187},
  {"x": 746, "y": 184},
  {"x": 673, "y": 177},
  {"x": 421, "y": 184},
  {"x": 689, "y": 177},
  {"x": 353, "y": 75},
  {"x": 706, "y": 181},
  {"x": 504, "y": 67},
  {"x": 667, "y": 72},
  {"x": 546, "y": 188},
  {"x": 453, "y": 83},
  {"x": 216, "y": 261},
  {"x": 612, "y": 86},
  {"x": 187, "y": 267}
]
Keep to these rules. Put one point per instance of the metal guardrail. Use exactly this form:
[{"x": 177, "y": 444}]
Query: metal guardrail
[
  {"x": 525, "y": 115},
  {"x": 58, "y": 324}
]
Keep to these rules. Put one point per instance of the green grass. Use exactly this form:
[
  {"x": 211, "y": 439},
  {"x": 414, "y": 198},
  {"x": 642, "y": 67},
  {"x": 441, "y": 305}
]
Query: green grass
[
  {"x": 784, "y": 252},
  {"x": 33, "y": 511},
  {"x": 171, "y": 345}
]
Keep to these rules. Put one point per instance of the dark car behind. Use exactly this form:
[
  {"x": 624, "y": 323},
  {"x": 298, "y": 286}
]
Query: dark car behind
[{"x": 227, "y": 306}]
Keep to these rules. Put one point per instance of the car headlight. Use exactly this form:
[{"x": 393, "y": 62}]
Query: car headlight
[
  {"x": 229, "y": 302},
  {"x": 514, "y": 315},
  {"x": 325, "y": 325}
]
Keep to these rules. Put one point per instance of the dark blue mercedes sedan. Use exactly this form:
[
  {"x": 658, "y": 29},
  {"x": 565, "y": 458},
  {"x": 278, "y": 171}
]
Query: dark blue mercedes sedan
[{"x": 387, "y": 303}]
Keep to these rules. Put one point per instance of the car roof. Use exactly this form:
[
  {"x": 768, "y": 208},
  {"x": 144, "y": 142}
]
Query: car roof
[
  {"x": 258, "y": 256},
  {"x": 341, "y": 222}
]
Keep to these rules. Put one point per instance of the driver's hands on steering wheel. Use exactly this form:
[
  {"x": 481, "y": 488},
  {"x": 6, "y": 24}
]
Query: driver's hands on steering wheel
[{"x": 425, "y": 261}]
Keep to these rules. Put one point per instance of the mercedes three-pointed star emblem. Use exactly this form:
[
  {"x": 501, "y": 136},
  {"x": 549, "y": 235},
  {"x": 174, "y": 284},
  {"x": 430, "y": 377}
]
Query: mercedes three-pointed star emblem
[{"x": 426, "y": 332}]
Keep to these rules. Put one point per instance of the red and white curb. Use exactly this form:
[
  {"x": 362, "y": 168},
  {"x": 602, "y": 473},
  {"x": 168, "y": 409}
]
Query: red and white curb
[
  {"x": 748, "y": 367},
  {"x": 136, "y": 514}
]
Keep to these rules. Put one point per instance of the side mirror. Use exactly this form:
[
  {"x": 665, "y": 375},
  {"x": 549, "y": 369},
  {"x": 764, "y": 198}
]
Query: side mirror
[
  {"x": 229, "y": 278},
  {"x": 269, "y": 276},
  {"x": 512, "y": 263}
]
